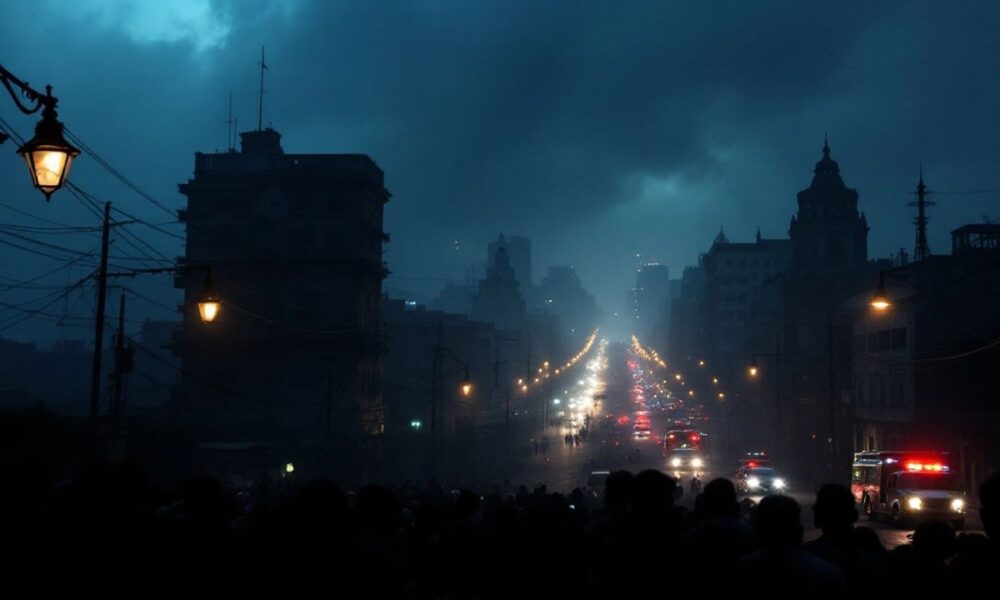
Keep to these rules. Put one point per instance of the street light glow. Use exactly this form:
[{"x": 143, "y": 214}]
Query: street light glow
[
  {"x": 208, "y": 301},
  {"x": 880, "y": 301}
]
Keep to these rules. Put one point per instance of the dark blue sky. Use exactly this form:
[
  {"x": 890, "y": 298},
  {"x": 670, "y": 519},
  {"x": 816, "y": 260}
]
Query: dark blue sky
[{"x": 600, "y": 130}]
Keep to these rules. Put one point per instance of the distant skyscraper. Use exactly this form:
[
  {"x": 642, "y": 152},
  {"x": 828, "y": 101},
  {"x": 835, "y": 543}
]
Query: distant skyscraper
[
  {"x": 498, "y": 300},
  {"x": 650, "y": 298},
  {"x": 563, "y": 295},
  {"x": 519, "y": 252}
]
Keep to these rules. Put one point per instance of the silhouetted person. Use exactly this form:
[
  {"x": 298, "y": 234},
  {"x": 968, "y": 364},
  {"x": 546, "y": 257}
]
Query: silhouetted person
[
  {"x": 781, "y": 562},
  {"x": 834, "y": 513},
  {"x": 719, "y": 536},
  {"x": 920, "y": 568},
  {"x": 976, "y": 565},
  {"x": 609, "y": 544}
]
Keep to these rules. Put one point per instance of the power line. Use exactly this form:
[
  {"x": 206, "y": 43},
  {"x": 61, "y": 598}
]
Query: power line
[
  {"x": 39, "y": 311},
  {"x": 117, "y": 174},
  {"x": 33, "y": 216}
]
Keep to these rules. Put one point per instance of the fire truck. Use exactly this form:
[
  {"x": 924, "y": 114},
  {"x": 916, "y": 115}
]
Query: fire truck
[{"x": 908, "y": 486}]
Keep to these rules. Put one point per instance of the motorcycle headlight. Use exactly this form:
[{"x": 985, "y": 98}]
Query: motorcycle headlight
[
  {"x": 753, "y": 482},
  {"x": 779, "y": 484},
  {"x": 958, "y": 505},
  {"x": 914, "y": 503},
  {"x": 675, "y": 462}
]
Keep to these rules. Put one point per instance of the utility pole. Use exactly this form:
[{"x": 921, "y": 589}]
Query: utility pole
[
  {"x": 435, "y": 375},
  {"x": 506, "y": 427},
  {"x": 116, "y": 407},
  {"x": 834, "y": 451},
  {"x": 102, "y": 292},
  {"x": 329, "y": 401},
  {"x": 777, "y": 390}
]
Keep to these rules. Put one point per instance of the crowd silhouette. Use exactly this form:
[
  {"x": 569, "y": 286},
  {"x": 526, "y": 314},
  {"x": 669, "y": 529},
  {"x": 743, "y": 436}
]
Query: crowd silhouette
[{"x": 432, "y": 542}]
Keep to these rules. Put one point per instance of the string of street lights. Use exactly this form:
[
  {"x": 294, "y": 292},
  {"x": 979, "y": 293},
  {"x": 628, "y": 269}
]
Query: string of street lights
[{"x": 524, "y": 384}]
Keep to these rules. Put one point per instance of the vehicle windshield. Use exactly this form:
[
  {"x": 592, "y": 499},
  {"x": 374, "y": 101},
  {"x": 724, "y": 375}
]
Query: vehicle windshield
[
  {"x": 928, "y": 481},
  {"x": 762, "y": 473},
  {"x": 683, "y": 452}
]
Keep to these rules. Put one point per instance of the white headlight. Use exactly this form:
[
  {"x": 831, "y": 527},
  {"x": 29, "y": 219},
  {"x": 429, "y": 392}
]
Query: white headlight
[
  {"x": 675, "y": 462},
  {"x": 958, "y": 505},
  {"x": 779, "y": 484},
  {"x": 914, "y": 503},
  {"x": 753, "y": 482},
  {"x": 696, "y": 462}
]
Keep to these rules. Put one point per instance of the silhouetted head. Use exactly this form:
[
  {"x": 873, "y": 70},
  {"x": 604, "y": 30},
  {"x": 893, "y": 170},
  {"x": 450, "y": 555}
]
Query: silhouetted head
[
  {"x": 777, "y": 522},
  {"x": 719, "y": 499},
  {"x": 989, "y": 505},
  {"x": 617, "y": 491},
  {"x": 934, "y": 540},
  {"x": 378, "y": 508},
  {"x": 652, "y": 492},
  {"x": 866, "y": 540},
  {"x": 834, "y": 508}
]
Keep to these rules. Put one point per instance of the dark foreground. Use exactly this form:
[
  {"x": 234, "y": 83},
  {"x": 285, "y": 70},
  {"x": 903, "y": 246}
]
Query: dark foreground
[{"x": 111, "y": 529}]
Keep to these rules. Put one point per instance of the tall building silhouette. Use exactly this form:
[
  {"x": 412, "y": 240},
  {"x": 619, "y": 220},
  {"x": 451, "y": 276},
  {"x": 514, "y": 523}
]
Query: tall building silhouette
[
  {"x": 519, "y": 252},
  {"x": 827, "y": 232},
  {"x": 499, "y": 301},
  {"x": 294, "y": 242}
]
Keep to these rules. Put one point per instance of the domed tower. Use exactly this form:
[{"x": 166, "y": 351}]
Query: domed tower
[{"x": 828, "y": 233}]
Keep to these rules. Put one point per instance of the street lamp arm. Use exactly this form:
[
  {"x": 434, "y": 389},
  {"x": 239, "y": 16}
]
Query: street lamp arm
[{"x": 38, "y": 99}]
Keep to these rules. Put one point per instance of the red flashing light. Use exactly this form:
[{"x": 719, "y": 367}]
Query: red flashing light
[
  {"x": 751, "y": 464},
  {"x": 695, "y": 437},
  {"x": 671, "y": 436},
  {"x": 928, "y": 467}
]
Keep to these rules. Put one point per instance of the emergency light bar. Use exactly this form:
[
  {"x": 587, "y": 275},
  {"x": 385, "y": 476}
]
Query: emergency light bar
[{"x": 926, "y": 467}]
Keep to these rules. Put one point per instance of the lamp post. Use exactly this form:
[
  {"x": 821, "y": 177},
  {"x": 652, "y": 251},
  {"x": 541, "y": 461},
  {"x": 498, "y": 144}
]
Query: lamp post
[
  {"x": 208, "y": 303},
  {"x": 466, "y": 389},
  {"x": 753, "y": 371},
  {"x": 48, "y": 155}
]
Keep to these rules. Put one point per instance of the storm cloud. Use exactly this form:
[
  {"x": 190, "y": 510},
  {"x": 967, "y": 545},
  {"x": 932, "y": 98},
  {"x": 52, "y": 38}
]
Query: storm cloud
[{"x": 601, "y": 130}]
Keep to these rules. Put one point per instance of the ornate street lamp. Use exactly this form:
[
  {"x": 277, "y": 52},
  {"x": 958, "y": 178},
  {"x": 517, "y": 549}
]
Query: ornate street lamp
[
  {"x": 48, "y": 154},
  {"x": 209, "y": 302},
  {"x": 880, "y": 301}
]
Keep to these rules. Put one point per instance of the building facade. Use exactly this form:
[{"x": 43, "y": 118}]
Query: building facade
[
  {"x": 922, "y": 370},
  {"x": 294, "y": 243}
]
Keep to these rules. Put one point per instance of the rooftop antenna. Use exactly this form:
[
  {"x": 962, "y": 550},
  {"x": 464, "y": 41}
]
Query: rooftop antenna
[
  {"x": 260, "y": 105},
  {"x": 921, "y": 250},
  {"x": 230, "y": 134}
]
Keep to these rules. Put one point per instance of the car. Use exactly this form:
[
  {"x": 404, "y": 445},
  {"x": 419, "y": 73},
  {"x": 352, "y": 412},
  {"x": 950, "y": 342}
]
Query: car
[
  {"x": 759, "y": 481},
  {"x": 685, "y": 460}
]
